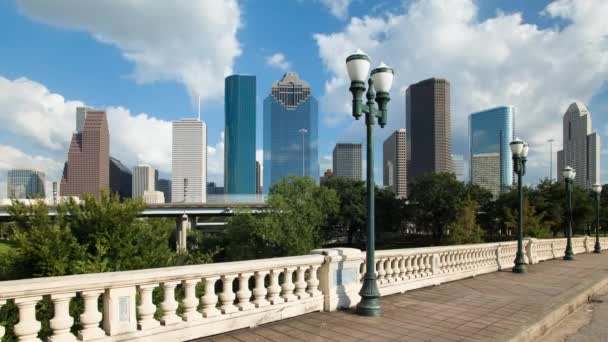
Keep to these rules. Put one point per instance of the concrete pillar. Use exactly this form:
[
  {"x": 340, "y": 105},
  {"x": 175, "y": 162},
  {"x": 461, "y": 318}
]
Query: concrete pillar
[
  {"x": 183, "y": 226},
  {"x": 340, "y": 276}
]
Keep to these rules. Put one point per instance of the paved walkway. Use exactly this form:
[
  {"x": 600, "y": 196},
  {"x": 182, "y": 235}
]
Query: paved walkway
[{"x": 490, "y": 307}]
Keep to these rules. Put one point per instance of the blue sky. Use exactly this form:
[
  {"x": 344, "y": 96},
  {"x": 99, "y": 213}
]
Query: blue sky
[{"x": 137, "y": 59}]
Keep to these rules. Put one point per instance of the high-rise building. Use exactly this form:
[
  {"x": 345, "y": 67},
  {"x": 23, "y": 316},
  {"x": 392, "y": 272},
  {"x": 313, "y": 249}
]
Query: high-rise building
[
  {"x": 81, "y": 115},
  {"x": 214, "y": 189},
  {"x": 258, "y": 177},
  {"x": 121, "y": 179},
  {"x": 87, "y": 169},
  {"x": 164, "y": 185},
  {"x": 486, "y": 171},
  {"x": 25, "y": 183},
  {"x": 490, "y": 132},
  {"x": 347, "y": 160},
  {"x": 153, "y": 197},
  {"x": 394, "y": 169},
  {"x": 290, "y": 131},
  {"x": 189, "y": 146},
  {"x": 144, "y": 179},
  {"x": 428, "y": 127},
  {"x": 458, "y": 167},
  {"x": 581, "y": 147},
  {"x": 239, "y": 148},
  {"x": 327, "y": 175}
]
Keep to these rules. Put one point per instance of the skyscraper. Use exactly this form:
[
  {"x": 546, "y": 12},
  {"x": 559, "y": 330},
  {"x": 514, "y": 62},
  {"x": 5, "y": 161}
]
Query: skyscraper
[
  {"x": 581, "y": 147},
  {"x": 189, "y": 146},
  {"x": 144, "y": 179},
  {"x": 347, "y": 160},
  {"x": 25, "y": 183},
  {"x": 164, "y": 185},
  {"x": 458, "y": 167},
  {"x": 87, "y": 169},
  {"x": 490, "y": 132},
  {"x": 327, "y": 175},
  {"x": 121, "y": 179},
  {"x": 394, "y": 163},
  {"x": 239, "y": 148},
  {"x": 258, "y": 177},
  {"x": 486, "y": 171},
  {"x": 290, "y": 131},
  {"x": 428, "y": 127}
]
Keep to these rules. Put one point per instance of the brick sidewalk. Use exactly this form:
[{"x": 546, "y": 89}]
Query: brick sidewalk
[{"x": 484, "y": 308}]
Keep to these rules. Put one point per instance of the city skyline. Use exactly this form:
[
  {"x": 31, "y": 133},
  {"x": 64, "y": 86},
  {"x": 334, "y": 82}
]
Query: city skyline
[{"x": 142, "y": 99}]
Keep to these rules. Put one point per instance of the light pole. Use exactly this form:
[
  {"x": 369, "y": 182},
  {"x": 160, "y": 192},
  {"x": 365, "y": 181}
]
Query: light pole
[
  {"x": 303, "y": 131},
  {"x": 569, "y": 173},
  {"x": 381, "y": 80},
  {"x": 550, "y": 141},
  {"x": 519, "y": 150},
  {"x": 597, "y": 189}
]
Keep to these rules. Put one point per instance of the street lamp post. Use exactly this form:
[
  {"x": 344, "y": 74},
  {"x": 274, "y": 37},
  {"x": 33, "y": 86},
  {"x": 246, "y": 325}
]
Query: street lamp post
[
  {"x": 569, "y": 173},
  {"x": 380, "y": 80},
  {"x": 303, "y": 131},
  {"x": 519, "y": 150},
  {"x": 597, "y": 189}
]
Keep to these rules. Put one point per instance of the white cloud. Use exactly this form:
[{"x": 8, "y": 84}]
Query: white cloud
[
  {"x": 338, "y": 8},
  {"x": 192, "y": 42},
  {"x": 278, "y": 60},
  {"x": 48, "y": 119},
  {"x": 501, "y": 60},
  {"x": 11, "y": 158}
]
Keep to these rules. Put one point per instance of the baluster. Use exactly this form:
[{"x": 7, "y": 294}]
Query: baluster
[
  {"x": 91, "y": 317},
  {"x": 313, "y": 281},
  {"x": 190, "y": 301},
  {"x": 389, "y": 270},
  {"x": 410, "y": 268},
  {"x": 169, "y": 304},
  {"x": 301, "y": 283},
  {"x": 402, "y": 268},
  {"x": 62, "y": 321},
  {"x": 28, "y": 327},
  {"x": 288, "y": 285},
  {"x": 244, "y": 294},
  {"x": 209, "y": 300},
  {"x": 259, "y": 292},
  {"x": 429, "y": 267},
  {"x": 381, "y": 271},
  {"x": 227, "y": 296},
  {"x": 2, "y": 302},
  {"x": 421, "y": 266},
  {"x": 274, "y": 290},
  {"x": 147, "y": 308}
]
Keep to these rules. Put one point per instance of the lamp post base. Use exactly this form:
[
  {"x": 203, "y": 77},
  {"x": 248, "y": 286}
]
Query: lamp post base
[
  {"x": 598, "y": 248},
  {"x": 369, "y": 305},
  {"x": 569, "y": 256},
  {"x": 519, "y": 268},
  {"x": 520, "y": 263}
]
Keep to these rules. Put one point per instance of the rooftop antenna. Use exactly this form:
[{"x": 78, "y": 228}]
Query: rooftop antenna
[{"x": 199, "y": 107}]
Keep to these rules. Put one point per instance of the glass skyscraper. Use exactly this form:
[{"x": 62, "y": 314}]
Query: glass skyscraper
[
  {"x": 290, "y": 131},
  {"x": 490, "y": 132},
  {"x": 25, "y": 183},
  {"x": 239, "y": 150}
]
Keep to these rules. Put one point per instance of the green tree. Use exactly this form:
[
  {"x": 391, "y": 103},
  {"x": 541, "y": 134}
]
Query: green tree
[
  {"x": 292, "y": 225},
  {"x": 351, "y": 216},
  {"x": 549, "y": 198},
  {"x": 390, "y": 212},
  {"x": 434, "y": 199},
  {"x": 464, "y": 229},
  {"x": 533, "y": 223}
]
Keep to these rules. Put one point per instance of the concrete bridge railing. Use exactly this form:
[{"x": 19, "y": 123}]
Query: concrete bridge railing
[{"x": 221, "y": 297}]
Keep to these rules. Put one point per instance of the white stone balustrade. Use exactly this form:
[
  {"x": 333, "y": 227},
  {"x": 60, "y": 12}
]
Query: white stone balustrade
[{"x": 248, "y": 293}]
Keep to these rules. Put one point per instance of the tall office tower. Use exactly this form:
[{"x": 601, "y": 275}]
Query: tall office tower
[
  {"x": 458, "y": 167},
  {"x": 153, "y": 197},
  {"x": 121, "y": 179},
  {"x": 189, "y": 161},
  {"x": 87, "y": 169},
  {"x": 25, "y": 183},
  {"x": 239, "y": 148},
  {"x": 327, "y": 175},
  {"x": 581, "y": 147},
  {"x": 164, "y": 185},
  {"x": 144, "y": 179},
  {"x": 290, "y": 131},
  {"x": 214, "y": 189},
  {"x": 81, "y": 115},
  {"x": 347, "y": 160},
  {"x": 394, "y": 169},
  {"x": 490, "y": 132},
  {"x": 258, "y": 177},
  {"x": 428, "y": 127},
  {"x": 486, "y": 171}
]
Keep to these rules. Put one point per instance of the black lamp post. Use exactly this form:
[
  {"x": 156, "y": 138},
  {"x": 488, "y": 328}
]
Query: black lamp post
[
  {"x": 597, "y": 190},
  {"x": 569, "y": 173},
  {"x": 381, "y": 80},
  {"x": 519, "y": 150}
]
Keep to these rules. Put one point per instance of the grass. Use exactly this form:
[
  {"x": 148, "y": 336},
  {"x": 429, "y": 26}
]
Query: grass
[{"x": 6, "y": 247}]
